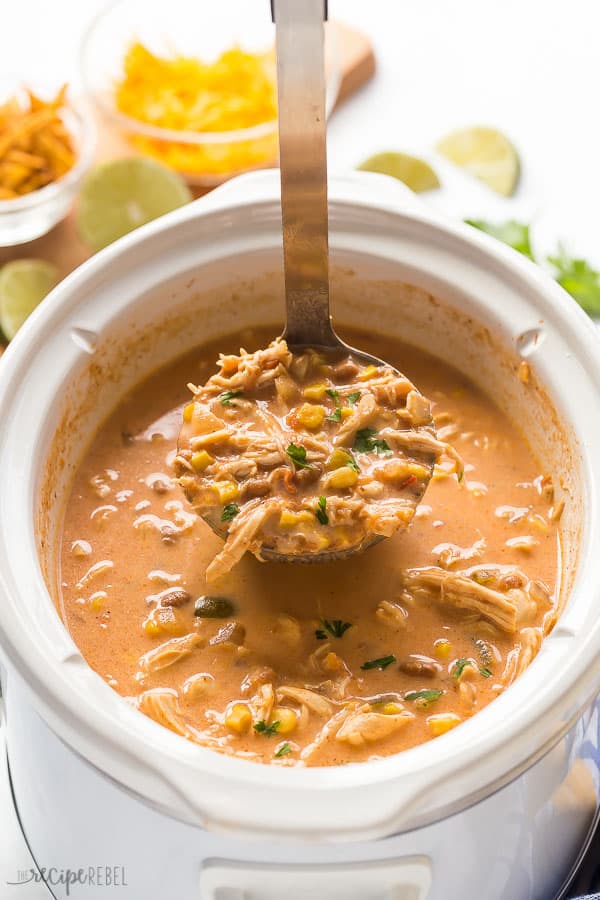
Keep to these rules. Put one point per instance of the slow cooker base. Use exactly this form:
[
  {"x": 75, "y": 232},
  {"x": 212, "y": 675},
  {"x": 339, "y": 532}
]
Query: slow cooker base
[{"x": 517, "y": 844}]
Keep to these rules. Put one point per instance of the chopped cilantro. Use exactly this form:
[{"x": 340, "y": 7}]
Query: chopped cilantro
[
  {"x": 336, "y": 415},
  {"x": 578, "y": 278},
  {"x": 230, "y": 511},
  {"x": 353, "y": 398},
  {"x": 460, "y": 666},
  {"x": 423, "y": 698},
  {"x": 227, "y": 396},
  {"x": 337, "y": 628},
  {"x": 321, "y": 511},
  {"x": 366, "y": 442},
  {"x": 268, "y": 730},
  {"x": 298, "y": 456},
  {"x": 513, "y": 233},
  {"x": 352, "y": 464},
  {"x": 382, "y": 663},
  {"x": 284, "y": 750}
]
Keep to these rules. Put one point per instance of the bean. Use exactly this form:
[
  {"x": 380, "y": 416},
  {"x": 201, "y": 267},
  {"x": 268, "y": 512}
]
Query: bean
[
  {"x": 303, "y": 477},
  {"x": 256, "y": 487},
  {"x": 345, "y": 371},
  {"x": 175, "y": 597},
  {"x": 208, "y": 607},
  {"x": 232, "y": 633},
  {"x": 422, "y": 666}
]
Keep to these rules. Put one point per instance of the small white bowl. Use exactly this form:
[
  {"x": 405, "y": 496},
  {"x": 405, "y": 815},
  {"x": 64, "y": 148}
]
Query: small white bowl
[{"x": 32, "y": 215}]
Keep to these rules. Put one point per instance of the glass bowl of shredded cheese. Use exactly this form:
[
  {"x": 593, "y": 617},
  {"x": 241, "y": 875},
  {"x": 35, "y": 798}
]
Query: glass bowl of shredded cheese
[
  {"x": 46, "y": 147},
  {"x": 192, "y": 84}
]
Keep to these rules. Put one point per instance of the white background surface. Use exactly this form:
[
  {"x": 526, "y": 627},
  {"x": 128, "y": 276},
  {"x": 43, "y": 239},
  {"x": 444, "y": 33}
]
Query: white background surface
[{"x": 528, "y": 67}]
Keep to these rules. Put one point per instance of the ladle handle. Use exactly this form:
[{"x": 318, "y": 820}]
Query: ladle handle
[{"x": 299, "y": 28}]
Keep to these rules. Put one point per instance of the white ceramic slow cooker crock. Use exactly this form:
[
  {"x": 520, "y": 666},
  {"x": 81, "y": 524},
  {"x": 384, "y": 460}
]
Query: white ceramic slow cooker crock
[{"x": 498, "y": 808}]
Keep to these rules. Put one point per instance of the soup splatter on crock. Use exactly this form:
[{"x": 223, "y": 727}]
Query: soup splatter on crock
[{"x": 310, "y": 665}]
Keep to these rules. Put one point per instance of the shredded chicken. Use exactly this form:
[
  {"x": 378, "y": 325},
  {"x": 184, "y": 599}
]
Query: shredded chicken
[
  {"x": 315, "y": 702},
  {"x": 279, "y": 455},
  {"x": 162, "y": 705},
  {"x": 366, "y": 726},
  {"x": 487, "y": 590},
  {"x": 169, "y": 653}
]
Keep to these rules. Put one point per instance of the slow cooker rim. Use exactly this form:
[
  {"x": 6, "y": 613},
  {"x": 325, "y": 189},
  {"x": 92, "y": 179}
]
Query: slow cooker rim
[{"x": 264, "y": 774}]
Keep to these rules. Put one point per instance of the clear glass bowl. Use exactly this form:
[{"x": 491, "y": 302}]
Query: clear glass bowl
[
  {"x": 200, "y": 29},
  {"x": 28, "y": 217}
]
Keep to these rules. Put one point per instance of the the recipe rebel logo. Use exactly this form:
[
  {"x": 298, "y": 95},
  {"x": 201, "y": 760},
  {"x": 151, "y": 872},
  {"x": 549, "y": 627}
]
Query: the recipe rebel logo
[{"x": 90, "y": 876}]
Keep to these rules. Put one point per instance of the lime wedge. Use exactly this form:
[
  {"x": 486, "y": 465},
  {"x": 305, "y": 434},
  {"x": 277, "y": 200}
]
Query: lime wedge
[
  {"x": 487, "y": 154},
  {"x": 23, "y": 284},
  {"x": 119, "y": 196},
  {"x": 414, "y": 172}
]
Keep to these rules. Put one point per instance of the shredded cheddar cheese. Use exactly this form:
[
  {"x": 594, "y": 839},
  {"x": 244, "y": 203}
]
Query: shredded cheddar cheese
[
  {"x": 182, "y": 93},
  {"x": 35, "y": 145}
]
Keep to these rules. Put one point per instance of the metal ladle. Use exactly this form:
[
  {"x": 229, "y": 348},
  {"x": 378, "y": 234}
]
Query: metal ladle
[{"x": 300, "y": 40}]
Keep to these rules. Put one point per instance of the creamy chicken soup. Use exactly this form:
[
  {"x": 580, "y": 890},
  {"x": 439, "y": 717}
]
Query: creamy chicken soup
[
  {"x": 310, "y": 665},
  {"x": 305, "y": 453}
]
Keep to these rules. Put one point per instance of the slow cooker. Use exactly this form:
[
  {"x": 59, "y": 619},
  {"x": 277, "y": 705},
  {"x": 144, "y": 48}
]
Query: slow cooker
[{"x": 498, "y": 808}]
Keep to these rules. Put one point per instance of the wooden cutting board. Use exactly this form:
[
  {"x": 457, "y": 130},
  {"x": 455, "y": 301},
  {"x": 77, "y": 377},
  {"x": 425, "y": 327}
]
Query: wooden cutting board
[{"x": 62, "y": 245}]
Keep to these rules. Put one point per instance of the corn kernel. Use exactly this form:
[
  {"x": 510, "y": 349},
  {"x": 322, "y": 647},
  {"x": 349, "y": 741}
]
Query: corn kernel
[
  {"x": 332, "y": 663},
  {"x": 310, "y": 416},
  {"x": 390, "y": 709},
  {"x": 442, "y": 722},
  {"x": 165, "y": 620},
  {"x": 188, "y": 412},
  {"x": 201, "y": 460},
  {"x": 151, "y": 628},
  {"x": 289, "y": 519},
  {"x": 367, "y": 372},
  {"x": 97, "y": 600},
  {"x": 319, "y": 542},
  {"x": 341, "y": 534},
  {"x": 238, "y": 718},
  {"x": 442, "y": 648},
  {"x": 315, "y": 391},
  {"x": 227, "y": 491},
  {"x": 339, "y": 458},
  {"x": 286, "y": 717},
  {"x": 342, "y": 478},
  {"x": 345, "y": 412}
]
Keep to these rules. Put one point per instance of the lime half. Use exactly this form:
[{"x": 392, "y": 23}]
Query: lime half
[
  {"x": 23, "y": 284},
  {"x": 487, "y": 154},
  {"x": 414, "y": 172},
  {"x": 121, "y": 195}
]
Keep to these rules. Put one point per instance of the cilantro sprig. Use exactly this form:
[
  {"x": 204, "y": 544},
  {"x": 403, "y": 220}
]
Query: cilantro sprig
[
  {"x": 284, "y": 750},
  {"x": 321, "y": 511},
  {"x": 461, "y": 664},
  {"x": 578, "y": 278},
  {"x": 515, "y": 234},
  {"x": 336, "y": 415},
  {"x": 227, "y": 396},
  {"x": 267, "y": 729},
  {"x": 336, "y": 628},
  {"x": 573, "y": 273},
  {"x": 423, "y": 699},
  {"x": 230, "y": 511},
  {"x": 381, "y": 663},
  {"x": 366, "y": 442},
  {"x": 298, "y": 456}
]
